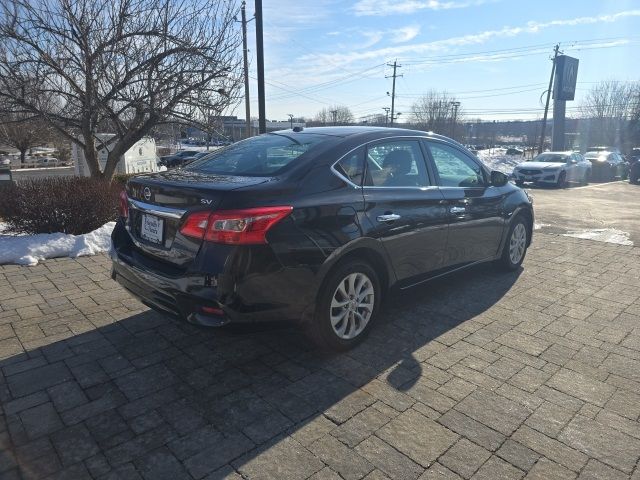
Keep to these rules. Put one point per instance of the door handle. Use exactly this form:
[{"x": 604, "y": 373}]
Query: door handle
[
  {"x": 457, "y": 209},
  {"x": 388, "y": 217}
]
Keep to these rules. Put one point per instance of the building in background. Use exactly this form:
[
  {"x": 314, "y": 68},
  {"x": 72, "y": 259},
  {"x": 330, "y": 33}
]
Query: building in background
[{"x": 140, "y": 158}]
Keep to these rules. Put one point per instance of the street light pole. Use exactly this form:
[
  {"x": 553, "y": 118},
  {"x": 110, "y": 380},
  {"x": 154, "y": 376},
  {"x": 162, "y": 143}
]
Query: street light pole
[
  {"x": 290, "y": 120},
  {"x": 262, "y": 118}
]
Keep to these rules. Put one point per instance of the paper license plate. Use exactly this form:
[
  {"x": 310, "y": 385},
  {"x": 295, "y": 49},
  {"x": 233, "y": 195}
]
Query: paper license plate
[{"x": 151, "y": 228}]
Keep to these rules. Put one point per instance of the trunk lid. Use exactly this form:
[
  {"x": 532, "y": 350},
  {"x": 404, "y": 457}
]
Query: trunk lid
[{"x": 159, "y": 203}]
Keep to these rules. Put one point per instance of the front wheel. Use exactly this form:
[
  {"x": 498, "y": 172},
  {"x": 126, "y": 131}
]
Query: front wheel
[
  {"x": 347, "y": 306},
  {"x": 586, "y": 178},
  {"x": 515, "y": 248},
  {"x": 562, "y": 180}
]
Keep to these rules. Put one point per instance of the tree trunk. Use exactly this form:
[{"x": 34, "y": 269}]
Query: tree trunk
[
  {"x": 91, "y": 155},
  {"x": 23, "y": 155}
]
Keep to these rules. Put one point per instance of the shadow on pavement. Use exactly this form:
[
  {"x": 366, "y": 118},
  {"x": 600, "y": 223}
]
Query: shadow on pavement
[{"x": 169, "y": 400}]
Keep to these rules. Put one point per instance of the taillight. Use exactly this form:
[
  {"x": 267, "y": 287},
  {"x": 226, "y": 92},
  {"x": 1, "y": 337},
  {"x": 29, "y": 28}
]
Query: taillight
[
  {"x": 234, "y": 227},
  {"x": 123, "y": 206},
  {"x": 195, "y": 225}
]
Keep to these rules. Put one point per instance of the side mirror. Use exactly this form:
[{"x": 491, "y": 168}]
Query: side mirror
[{"x": 498, "y": 179}]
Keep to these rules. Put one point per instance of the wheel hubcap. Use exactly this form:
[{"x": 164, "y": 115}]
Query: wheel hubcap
[
  {"x": 517, "y": 243},
  {"x": 352, "y": 305}
]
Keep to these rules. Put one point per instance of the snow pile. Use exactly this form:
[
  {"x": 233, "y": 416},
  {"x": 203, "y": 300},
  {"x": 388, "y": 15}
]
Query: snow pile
[
  {"x": 30, "y": 249},
  {"x": 497, "y": 159},
  {"x": 608, "y": 235}
]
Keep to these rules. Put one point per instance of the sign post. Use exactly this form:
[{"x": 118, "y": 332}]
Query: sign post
[{"x": 564, "y": 89}]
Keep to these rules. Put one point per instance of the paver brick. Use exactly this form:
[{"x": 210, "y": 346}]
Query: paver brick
[
  {"x": 582, "y": 387},
  {"x": 602, "y": 442},
  {"x": 417, "y": 436},
  {"x": 494, "y": 411},
  {"x": 464, "y": 458},
  {"x": 392, "y": 462}
]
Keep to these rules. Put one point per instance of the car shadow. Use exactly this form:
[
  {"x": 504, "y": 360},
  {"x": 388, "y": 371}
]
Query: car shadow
[{"x": 149, "y": 387}]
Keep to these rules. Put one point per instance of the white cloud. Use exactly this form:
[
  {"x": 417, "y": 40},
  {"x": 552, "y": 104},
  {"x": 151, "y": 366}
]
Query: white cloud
[
  {"x": 393, "y": 7},
  {"x": 404, "y": 34},
  {"x": 464, "y": 40}
]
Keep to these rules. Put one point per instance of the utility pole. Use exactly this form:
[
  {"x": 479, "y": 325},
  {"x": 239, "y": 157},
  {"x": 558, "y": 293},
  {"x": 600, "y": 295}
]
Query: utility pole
[
  {"x": 393, "y": 88},
  {"x": 546, "y": 108},
  {"x": 455, "y": 106},
  {"x": 386, "y": 116},
  {"x": 334, "y": 114},
  {"x": 290, "y": 120},
  {"x": 262, "y": 119},
  {"x": 245, "y": 51}
]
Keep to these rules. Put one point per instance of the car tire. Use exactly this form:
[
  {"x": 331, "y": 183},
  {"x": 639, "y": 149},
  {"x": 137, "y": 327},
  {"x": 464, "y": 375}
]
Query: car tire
[
  {"x": 340, "y": 321},
  {"x": 586, "y": 178},
  {"x": 515, "y": 246},
  {"x": 519, "y": 183},
  {"x": 562, "y": 180}
]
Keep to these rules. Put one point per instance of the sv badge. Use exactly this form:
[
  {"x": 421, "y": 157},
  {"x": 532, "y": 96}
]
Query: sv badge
[{"x": 205, "y": 201}]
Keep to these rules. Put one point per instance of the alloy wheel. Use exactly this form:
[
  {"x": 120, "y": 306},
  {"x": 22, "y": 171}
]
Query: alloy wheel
[
  {"x": 352, "y": 305},
  {"x": 517, "y": 243}
]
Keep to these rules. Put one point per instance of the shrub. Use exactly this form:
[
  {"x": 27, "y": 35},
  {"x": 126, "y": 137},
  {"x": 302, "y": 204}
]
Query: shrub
[{"x": 73, "y": 205}]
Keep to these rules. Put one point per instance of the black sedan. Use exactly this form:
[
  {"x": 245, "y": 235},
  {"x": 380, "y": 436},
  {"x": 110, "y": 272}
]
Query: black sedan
[
  {"x": 314, "y": 225},
  {"x": 178, "y": 159},
  {"x": 607, "y": 166}
]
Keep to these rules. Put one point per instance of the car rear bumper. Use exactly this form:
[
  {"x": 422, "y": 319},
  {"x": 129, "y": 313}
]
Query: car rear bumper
[{"x": 238, "y": 294}]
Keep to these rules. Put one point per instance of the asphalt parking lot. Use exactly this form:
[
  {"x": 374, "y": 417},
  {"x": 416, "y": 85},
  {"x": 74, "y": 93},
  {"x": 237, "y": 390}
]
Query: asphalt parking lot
[
  {"x": 614, "y": 205},
  {"x": 483, "y": 375}
]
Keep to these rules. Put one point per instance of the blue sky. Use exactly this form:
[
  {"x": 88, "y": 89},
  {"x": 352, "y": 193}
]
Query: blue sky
[{"x": 493, "y": 55}]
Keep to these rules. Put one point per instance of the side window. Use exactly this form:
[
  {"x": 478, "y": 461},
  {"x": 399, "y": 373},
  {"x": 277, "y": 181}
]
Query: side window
[
  {"x": 397, "y": 163},
  {"x": 454, "y": 168},
  {"x": 352, "y": 166}
]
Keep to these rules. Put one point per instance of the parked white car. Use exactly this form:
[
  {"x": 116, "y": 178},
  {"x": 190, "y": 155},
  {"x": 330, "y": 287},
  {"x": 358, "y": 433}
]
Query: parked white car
[{"x": 557, "y": 168}]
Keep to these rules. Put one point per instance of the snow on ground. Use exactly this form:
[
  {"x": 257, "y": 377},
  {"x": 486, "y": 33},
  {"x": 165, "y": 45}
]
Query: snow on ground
[
  {"x": 30, "y": 249},
  {"x": 497, "y": 159},
  {"x": 608, "y": 235}
]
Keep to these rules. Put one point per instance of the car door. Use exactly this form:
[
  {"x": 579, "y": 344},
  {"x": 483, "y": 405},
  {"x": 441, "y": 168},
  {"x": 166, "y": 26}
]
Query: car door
[
  {"x": 405, "y": 208},
  {"x": 572, "y": 168},
  {"x": 476, "y": 223},
  {"x": 582, "y": 166}
]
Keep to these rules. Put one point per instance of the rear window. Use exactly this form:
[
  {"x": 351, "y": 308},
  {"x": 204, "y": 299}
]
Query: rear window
[{"x": 257, "y": 156}]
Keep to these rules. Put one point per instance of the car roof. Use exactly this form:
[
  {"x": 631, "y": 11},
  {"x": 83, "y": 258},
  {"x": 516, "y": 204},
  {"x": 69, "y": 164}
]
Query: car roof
[{"x": 347, "y": 131}]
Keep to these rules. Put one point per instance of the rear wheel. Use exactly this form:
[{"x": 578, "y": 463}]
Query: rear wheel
[
  {"x": 347, "y": 306},
  {"x": 515, "y": 248}
]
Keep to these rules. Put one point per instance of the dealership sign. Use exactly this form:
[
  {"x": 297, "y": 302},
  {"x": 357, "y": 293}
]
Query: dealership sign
[{"x": 566, "y": 76}]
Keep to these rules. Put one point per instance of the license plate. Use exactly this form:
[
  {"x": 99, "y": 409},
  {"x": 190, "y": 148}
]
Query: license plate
[{"x": 151, "y": 228}]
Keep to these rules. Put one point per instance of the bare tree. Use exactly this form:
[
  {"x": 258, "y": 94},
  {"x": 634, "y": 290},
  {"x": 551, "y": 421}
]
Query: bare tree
[
  {"x": 117, "y": 66},
  {"x": 435, "y": 112},
  {"x": 605, "y": 113},
  {"x": 336, "y": 115},
  {"x": 23, "y": 132}
]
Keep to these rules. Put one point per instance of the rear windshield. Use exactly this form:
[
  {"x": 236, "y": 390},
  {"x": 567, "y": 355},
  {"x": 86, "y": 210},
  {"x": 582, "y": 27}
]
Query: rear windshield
[
  {"x": 257, "y": 156},
  {"x": 551, "y": 158}
]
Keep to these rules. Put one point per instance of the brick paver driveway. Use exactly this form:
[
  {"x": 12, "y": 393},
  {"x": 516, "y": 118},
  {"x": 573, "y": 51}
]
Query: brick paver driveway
[{"x": 482, "y": 375}]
